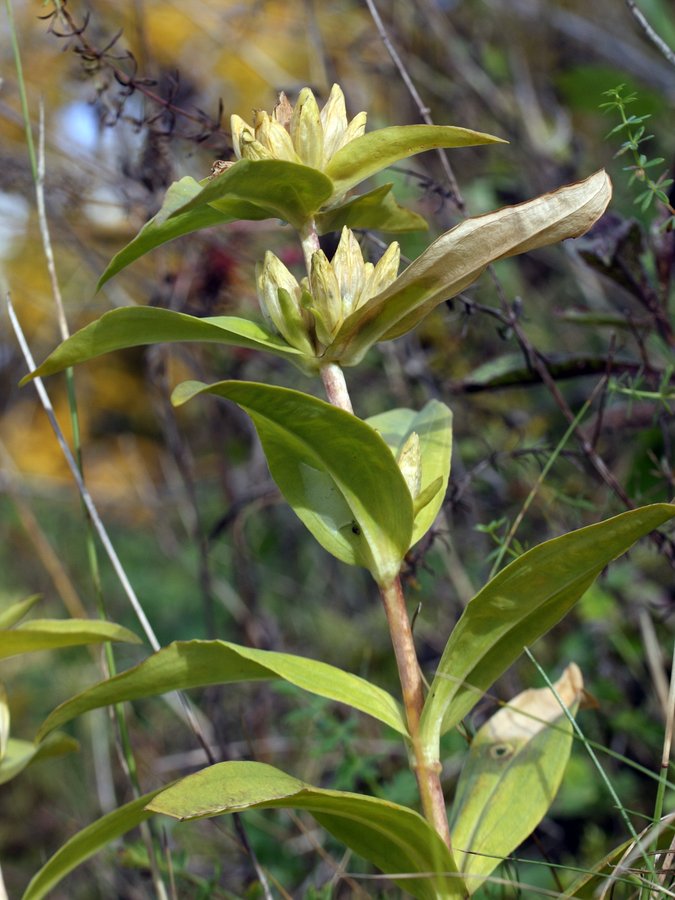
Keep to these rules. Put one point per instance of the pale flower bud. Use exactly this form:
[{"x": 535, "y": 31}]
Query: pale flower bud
[
  {"x": 274, "y": 137},
  {"x": 307, "y": 130},
  {"x": 384, "y": 272},
  {"x": 334, "y": 121},
  {"x": 349, "y": 270},
  {"x": 280, "y": 298},
  {"x": 327, "y": 305},
  {"x": 244, "y": 141}
]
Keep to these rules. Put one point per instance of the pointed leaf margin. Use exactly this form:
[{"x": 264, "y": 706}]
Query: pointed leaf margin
[
  {"x": 21, "y": 754},
  {"x": 284, "y": 190},
  {"x": 370, "y": 153},
  {"x": 377, "y": 210},
  {"x": 191, "y": 664}
]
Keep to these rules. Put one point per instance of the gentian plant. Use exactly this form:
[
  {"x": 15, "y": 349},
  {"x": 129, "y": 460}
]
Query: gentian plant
[{"x": 368, "y": 491}]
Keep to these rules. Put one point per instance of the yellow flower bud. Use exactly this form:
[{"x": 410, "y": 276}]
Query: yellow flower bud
[
  {"x": 384, "y": 272},
  {"x": 349, "y": 270},
  {"x": 327, "y": 303},
  {"x": 274, "y": 138},
  {"x": 281, "y": 302},
  {"x": 307, "y": 130}
]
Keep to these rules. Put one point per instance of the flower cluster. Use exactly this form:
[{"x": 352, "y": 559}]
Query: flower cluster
[
  {"x": 301, "y": 134},
  {"x": 308, "y": 314}
]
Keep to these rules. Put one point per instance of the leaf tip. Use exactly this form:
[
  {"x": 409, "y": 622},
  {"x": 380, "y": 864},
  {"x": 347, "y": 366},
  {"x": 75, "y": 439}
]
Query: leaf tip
[{"x": 185, "y": 391}]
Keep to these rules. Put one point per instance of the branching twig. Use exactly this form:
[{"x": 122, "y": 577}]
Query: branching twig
[{"x": 95, "y": 58}]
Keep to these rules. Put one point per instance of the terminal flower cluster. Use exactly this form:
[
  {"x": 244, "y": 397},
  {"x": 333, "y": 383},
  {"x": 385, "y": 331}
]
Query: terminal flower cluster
[{"x": 300, "y": 134}]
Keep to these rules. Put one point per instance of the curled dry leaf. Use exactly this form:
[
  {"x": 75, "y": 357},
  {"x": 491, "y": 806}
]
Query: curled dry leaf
[
  {"x": 458, "y": 257},
  {"x": 533, "y": 710}
]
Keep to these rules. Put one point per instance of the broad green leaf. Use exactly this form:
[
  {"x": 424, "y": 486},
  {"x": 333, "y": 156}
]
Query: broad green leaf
[
  {"x": 283, "y": 190},
  {"x": 136, "y": 326},
  {"x": 191, "y": 664},
  {"x": 396, "y": 839},
  {"x": 161, "y": 229},
  {"x": 458, "y": 257},
  {"x": 86, "y": 843},
  {"x": 48, "y": 634},
  {"x": 253, "y": 190},
  {"x": 511, "y": 776},
  {"x": 519, "y": 605},
  {"x": 376, "y": 210},
  {"x": 17, "y": 611},
  {"x": 20, "y": 754},
  {"x": 372, "y": 152},
  {"x": 337, "y": 474},
  {"x": 433, "y": 425}
]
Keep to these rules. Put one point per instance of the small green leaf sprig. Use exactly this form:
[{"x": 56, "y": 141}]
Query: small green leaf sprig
[{"x": 633, "y": 128}]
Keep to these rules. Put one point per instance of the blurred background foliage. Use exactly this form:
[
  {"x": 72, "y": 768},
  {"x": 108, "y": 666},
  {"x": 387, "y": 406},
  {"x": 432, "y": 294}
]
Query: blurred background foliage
[{"x": 139, "y": 93}]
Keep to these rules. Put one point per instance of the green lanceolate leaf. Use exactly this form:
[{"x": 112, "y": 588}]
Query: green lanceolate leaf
[
  {"x": 282, "y": 190},
  {"x": 511, "y": 776},
  {"x": 20, "y": 754},
  {"x": 247, "y": 190},
  {"x": 366, "y": 155},
  {"x": 137, "y": 326},
  {"x": 161, "y": 229},
  {"x": 458, "y": 257},
  {"x": 14, "y": 613},
  {"x": 191, "y": 664},
  {"x": 396, "y": 839},
  {"x": 86, "y": 843},
  {"x": 377, "y": 210},
  {"x": 519, "y": 605},
  {"x": 433, "y": 425},
  {"x": 49, "y": 634},
  {"x": 336, "y": 473}
]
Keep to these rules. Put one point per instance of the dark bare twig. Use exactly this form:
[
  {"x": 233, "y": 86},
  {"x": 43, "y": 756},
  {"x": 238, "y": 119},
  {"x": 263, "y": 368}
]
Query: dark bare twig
[
  {"x": 424, "y": 110},
  {"x": 96, "y": 58},
  {"x": 655, "y": 38}
]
